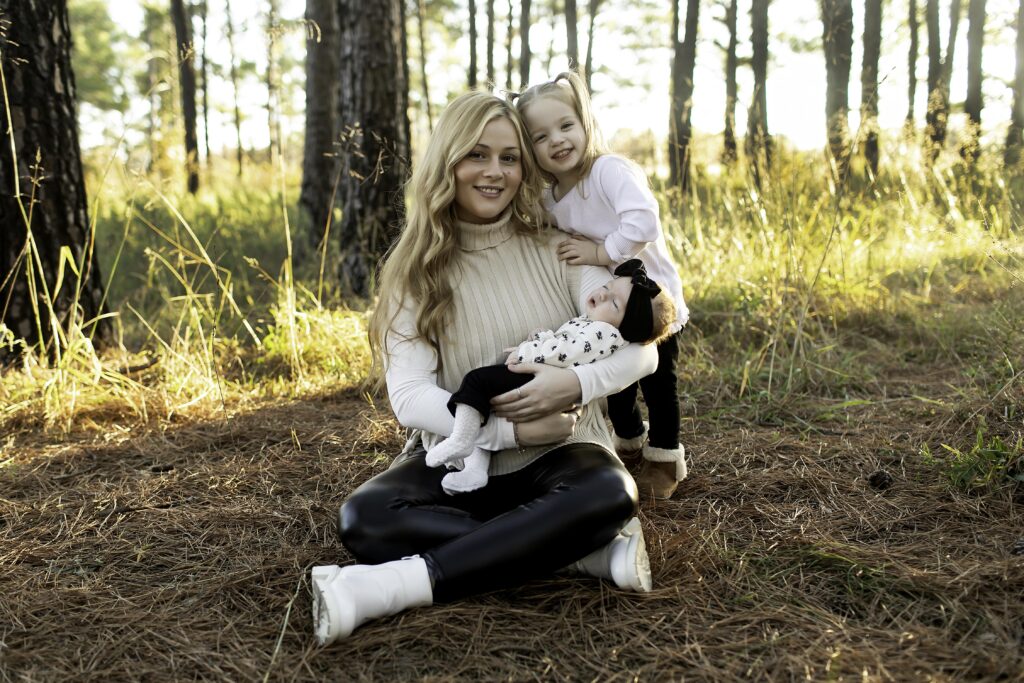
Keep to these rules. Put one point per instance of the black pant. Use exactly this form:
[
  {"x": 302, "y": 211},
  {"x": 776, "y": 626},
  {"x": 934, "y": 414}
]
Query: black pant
[
  {"x": 526, "y": 524},
  {"x": 661, "y": 397},
  {"x": 480, "y": 385}
]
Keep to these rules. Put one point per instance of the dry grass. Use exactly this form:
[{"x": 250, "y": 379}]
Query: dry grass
[{"x": 183, "y": 554}]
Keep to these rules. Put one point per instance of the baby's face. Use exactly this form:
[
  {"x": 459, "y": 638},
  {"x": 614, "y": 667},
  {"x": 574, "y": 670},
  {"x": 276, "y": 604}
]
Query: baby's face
[{"x": 608, "y": 302}]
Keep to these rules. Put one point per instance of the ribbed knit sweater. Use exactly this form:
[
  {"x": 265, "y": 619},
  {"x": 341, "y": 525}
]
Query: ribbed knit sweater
[{"x": 505, "y": 286}]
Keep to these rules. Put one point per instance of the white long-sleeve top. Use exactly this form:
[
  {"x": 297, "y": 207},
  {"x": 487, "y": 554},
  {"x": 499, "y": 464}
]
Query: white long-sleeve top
[
  {"x": 505, "y": 285},
  {"x": 613, "y": 205}
]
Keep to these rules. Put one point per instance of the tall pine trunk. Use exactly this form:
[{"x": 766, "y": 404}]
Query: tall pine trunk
[
  {"x": 509, "y": 61},
  {"x": 758, "y": 142},
  {"x": 472, "y": 44},
  {"x": 837, "y": 35},
  {"x": 572, "y": 49},
  {"x": 375, "y": 150},
  {"x": 204, "y": 79},
  {"x": 40, "y": 162},
  {"x": 681, "y": 96},
  {"x": 869, "y": 82},
  {"x": 187, "y": 81},
  {"x": 729, "y": 133},
  {"x": 912, "y": 20},
  {"x": 1015, "y": 134},
  {"x": 319, "y": 167},
  {"x": 594, "y": 5},
  {"x": 940, "y": 71},
  {"x": 230, "y": 28},
  {"x": 969, "y": 150},
  {"x": 524, "y": 44},
  {"x": 273, "y": 82},
  {"x": 490, "y": 43},
  {"x": 421, "y": 20}
]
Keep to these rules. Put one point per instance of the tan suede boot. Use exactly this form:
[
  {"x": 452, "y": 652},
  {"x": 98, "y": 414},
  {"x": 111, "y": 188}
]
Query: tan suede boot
[
  {"x": 662, "y": 471},
  {"x": 630, "y": 450}
]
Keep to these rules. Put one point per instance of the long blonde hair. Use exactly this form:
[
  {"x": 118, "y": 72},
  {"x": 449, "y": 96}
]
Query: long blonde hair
[
  {"x": 570, "y": 88},
  {"x": 416, "y": 271}
]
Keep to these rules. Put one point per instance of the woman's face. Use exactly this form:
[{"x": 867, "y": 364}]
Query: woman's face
[{"x": 487, "y": 179}]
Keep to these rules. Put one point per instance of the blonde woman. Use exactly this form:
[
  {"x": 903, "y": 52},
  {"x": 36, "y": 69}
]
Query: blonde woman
[{"x": 473, "y": 272}]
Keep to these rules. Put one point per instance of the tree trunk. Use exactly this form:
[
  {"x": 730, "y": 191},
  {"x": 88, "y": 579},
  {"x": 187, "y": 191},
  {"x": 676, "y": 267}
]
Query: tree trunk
[
  {"x": 41, "y": 180},
  {"x": 375, "y": 150},
  {"x": 969, "y": 150},
  {"x": 940, "y": 71},
  {"x": 758, "y": 143},
  {"x": 403, "y": 80},
  {"x": 204, "y": 79},
  {"x": 420, "y": 21},
  {"x": 509, "y": 62},
  {"x": 234, "y": 81},
  {"x": 912, "y": 15},
  {"x": 571, "y": 36},
  {"x": 187, "y": 80},
  {"x": 869, "y": 82},
  {"x": 592, "y": 11},
  {"x": 490, "y": 43},
  {"x": 319, "y": 167},
  {"x": 681, "y": 96},
  {"x": 524, "y": 44},
  {"x": 729, "y": 134},
  {"x": 472, "y": 44},
  {"x": 554, "y": 15},
  {"x": 1015, "y": 134},
  {"x": 273, "y": 82},
  {"x": 837, "y": 34},
  {"x": 151, "y": 33}
]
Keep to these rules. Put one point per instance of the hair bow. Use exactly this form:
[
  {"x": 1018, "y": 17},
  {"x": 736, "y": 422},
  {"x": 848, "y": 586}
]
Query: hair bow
[{"x": 638, "y": 318}]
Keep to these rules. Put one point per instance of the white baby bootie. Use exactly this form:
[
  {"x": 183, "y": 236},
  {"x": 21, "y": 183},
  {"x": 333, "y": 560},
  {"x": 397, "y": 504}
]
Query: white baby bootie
[
  {"x": 623, "y": 561},
  {"x": 472, "y": 476},
  {"x": 345, "y": 597},
  {"x": 463, "y": 437}
]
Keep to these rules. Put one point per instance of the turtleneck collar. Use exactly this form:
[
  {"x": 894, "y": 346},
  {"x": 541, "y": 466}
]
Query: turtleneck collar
[{"x": 476, "y": 236}]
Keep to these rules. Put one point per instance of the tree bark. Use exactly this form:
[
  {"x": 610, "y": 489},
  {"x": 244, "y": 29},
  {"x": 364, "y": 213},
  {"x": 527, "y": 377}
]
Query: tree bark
[
  {"x": 204, "y": 79},
  {"x": 940, "y": 71},
  {"x": 187, "y": 80},
  {"x": 912, "y": 16},
  {"x": 41, "y": 181},
  {"x": 594, "y": 5},
  {"x": 472, "y": 44},
  {"x": 524, "y": 44},
  {"x": 969, "y": 150},
  {"x": 758, "y": 142},
  {"x": 681, "y": 95},
  {"x": 869, "y": 82},
  {"x": 1015, "y": 134},
  {"x": 509, "y": 62},
  {"x": 374, "y": 149},
  {"x": 729, "y": 134},
  {"x": 571, "y": 36},
  {"x": 420, "y": 22},
  {"x": 490, "y": 43},
  {"x": 319, "y": 167},
  {"x": 273, "y": 82},
  {"x": 229, "y": 22},
  {"x": 837, "y": 34}
]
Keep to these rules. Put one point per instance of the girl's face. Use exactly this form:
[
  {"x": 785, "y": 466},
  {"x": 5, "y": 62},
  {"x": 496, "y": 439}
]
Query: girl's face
[
  {"x": 607, "y": 303},
  {"x": 557, "y": 136},
  {"x": 487, "y": 179}
]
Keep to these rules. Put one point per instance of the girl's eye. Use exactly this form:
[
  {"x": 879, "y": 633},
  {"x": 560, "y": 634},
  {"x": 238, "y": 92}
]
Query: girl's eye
[
  {"x": 567, "y": 125},
  {"x": 539, "y": 139}
]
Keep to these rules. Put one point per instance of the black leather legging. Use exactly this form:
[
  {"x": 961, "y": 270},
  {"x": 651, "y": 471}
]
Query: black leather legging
[{"x": 526, "y": 524}]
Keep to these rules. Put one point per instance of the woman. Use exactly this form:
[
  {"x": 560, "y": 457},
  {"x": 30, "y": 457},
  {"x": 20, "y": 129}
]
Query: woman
[{"x": 472, "y": 273}]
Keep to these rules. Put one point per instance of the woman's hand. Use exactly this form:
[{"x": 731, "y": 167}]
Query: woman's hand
[
  {"x": 553, "y": 428},
  {"x": 580, "y": 251},
  {"x": 552, "y": 390}
]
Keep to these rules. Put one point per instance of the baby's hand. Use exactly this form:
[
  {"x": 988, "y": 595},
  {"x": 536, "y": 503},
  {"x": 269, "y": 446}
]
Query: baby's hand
[
  {"x": 580, "y": 251},
  {"x": 513, "y": 355}
]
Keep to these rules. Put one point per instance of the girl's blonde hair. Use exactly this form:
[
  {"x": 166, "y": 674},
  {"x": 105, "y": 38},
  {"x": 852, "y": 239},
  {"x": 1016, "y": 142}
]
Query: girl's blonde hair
[
  {"x": 570, "y": 88},
  {"x": 416, "y": 270}
]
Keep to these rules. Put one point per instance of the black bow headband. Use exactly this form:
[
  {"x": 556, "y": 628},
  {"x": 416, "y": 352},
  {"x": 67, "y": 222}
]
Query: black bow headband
[{"x": 638, "y": 319}]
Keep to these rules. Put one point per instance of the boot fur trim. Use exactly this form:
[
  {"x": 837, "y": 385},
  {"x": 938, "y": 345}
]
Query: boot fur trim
[{"x": 676, "y": 455}]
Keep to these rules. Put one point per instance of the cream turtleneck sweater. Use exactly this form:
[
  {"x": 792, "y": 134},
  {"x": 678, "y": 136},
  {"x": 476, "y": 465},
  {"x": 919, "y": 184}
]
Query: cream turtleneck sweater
[{"x": 506, "y": 285}]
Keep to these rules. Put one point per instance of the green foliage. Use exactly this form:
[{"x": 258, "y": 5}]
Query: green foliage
[
  {"x": 990, "y": 462},
  {"x": 99, "y": 50}
]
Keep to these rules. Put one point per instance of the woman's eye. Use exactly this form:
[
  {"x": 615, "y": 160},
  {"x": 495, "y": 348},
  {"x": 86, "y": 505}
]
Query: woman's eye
[
  {"x": 510, "y": 158},
  {"x": 475, "y": 155}
]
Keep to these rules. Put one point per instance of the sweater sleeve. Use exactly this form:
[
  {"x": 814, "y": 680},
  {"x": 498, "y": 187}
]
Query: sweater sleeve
[
  {"x": 634, "y": 204},
  {"x": 625, "y": 366},
  {"x": 416, "y": 399}
]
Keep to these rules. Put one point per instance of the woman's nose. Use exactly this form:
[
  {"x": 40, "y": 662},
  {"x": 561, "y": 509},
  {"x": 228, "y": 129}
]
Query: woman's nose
[{"x": 493, "y": 169}]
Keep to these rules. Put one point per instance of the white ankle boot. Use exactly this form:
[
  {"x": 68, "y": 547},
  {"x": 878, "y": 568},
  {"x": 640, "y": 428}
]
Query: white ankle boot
[
  {"x": 345, "y": 597},
  {"x": 622, "y": 561}
]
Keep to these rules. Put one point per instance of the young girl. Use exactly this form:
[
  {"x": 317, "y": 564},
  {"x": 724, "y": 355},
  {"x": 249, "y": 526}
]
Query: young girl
[
  {"x": 631, "y": 308},
  {"x": 604, "y": 202}
]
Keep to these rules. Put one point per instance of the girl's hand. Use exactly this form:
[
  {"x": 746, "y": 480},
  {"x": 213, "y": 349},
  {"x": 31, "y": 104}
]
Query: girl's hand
[
  {"x": 580, "y": 251},
  {"x": 552, "y": 390},
  {"x": 553, "y": 428}
]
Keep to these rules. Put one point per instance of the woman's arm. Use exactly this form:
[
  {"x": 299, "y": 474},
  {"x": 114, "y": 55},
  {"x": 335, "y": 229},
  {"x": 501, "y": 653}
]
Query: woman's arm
[{"x": 416, "y": 399}]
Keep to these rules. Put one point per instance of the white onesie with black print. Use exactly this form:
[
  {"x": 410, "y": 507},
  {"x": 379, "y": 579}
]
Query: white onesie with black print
[{"x": 578, "y": 342}]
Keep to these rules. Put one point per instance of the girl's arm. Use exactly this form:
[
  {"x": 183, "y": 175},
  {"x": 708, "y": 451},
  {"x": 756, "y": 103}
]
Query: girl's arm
[{"x": 416, "y": 399}]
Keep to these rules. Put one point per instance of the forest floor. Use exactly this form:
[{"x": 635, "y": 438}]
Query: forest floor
[{"x": 821, "y": 534}]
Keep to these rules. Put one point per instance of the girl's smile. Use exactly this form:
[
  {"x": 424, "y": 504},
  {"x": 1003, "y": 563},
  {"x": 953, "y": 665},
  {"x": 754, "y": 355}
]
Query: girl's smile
[{"x": 558, "y": 138}]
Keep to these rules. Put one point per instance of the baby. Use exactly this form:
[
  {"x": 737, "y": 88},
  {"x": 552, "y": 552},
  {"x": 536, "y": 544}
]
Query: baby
[{"x": 630, "y": 308}]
